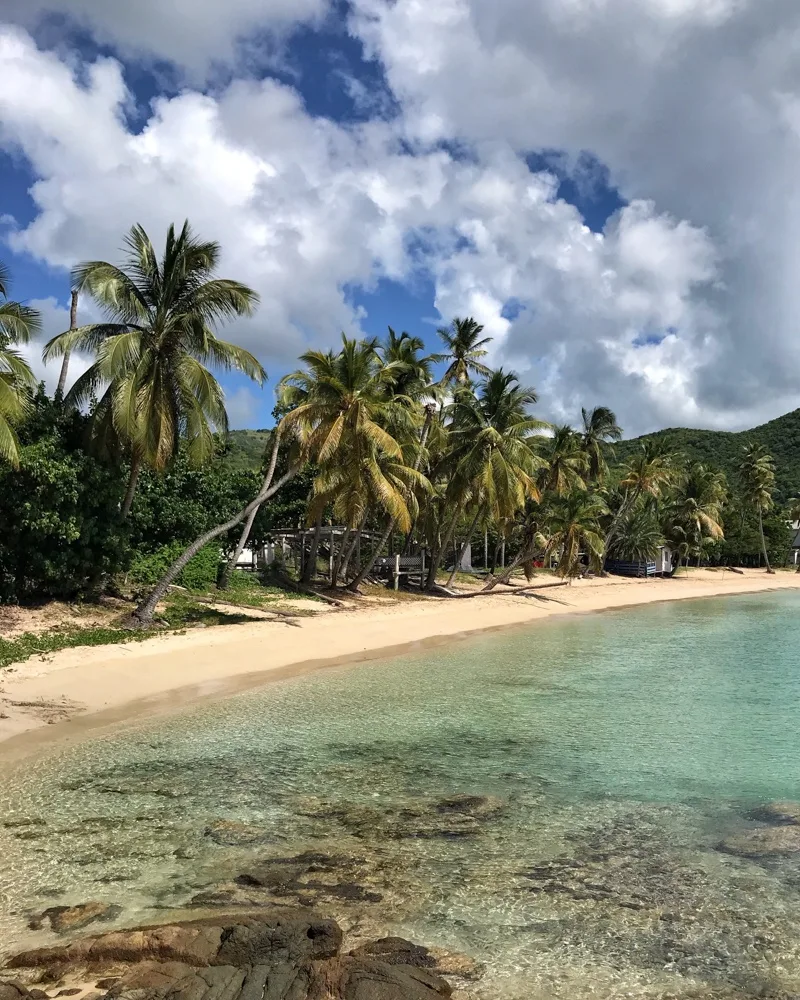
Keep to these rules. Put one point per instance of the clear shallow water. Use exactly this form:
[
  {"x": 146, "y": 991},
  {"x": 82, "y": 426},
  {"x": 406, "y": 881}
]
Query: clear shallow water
[{"x": 619, "y": 749}]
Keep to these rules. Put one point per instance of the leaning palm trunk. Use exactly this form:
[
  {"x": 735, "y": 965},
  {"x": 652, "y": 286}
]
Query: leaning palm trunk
[
  {"x": 524, "y": 555},
  {"x": 366, "y": 569},
  {"x": 349, "y": 554},
  {"x": 233, "y": 562},
  {"x": 441, "y": 547},
  {"x": 73, "y": 325},
  {"x": 230, "y": 566},
  {"x": 463, "y": 549},
  {"x": 133, "y": 479},
  {"x": 142, "y": 617},
  {"x": 763, "y": 540},
  {"x": 337, "y": 565},
  {"x": 310, "y": 566}
]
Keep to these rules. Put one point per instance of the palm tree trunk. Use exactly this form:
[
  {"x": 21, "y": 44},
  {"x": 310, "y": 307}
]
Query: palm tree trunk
[
  {"x": 770, "y": 570},
  {"x": 463, "y": 549},
  {"x": 505, "y": 576},
  {"x": 248, "y": 524},
  {"x": 133, "y": 479},
  {"x": 442, "y": 547},
  {"x": 366, "y": 569},
  {"x": 354, "y": 544},
  {"x": 142, "y": 617},
  {"x": 430, "y": 412},
  {"x": 337, "y": 565},
  {"x": 73, "y": 325},
  {"x": 310, "y": 567},
  {"x": 231, "y": 564}
]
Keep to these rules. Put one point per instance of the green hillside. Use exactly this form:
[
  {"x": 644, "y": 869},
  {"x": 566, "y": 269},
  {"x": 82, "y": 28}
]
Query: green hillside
[
  {"x": 245, "y": 450},
  {"x": 723, "y": 449}
]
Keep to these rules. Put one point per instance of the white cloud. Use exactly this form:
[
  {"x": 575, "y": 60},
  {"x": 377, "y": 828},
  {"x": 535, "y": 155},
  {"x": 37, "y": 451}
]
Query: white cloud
[
  {"x": 643, "y": 317},
  {"x": 195, "y": 34},
  {"x": 693, "y": 106}
]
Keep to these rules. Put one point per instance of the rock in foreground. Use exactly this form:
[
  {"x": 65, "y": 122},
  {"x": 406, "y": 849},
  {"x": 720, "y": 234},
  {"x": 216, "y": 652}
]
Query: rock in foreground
[{"x": 280, "y": 955}]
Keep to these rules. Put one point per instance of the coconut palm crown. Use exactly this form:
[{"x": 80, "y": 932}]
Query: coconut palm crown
[
  {"x": 152, "y": 353},
  {"x": 18, "y": 323}
]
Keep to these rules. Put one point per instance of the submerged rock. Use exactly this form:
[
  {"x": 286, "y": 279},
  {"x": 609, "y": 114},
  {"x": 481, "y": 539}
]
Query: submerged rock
[
  {"x": 64, "y": 919},
  {"x": 763, "y": 842},
  {"x": 777, "y": 813},
  {"x": 230, "y": 833},
  {"x": 309, "y": 879},
  {"x": 449, "y": 818}
]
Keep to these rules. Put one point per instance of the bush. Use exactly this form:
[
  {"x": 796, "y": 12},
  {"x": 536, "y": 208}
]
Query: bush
[
  {"x": 61, "y": 535},
  {"x": 201, "y": 573}
]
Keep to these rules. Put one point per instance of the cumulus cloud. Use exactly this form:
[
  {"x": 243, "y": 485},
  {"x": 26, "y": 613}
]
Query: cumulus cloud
[
  {"x": 195, "y": 34},
  {"x": 693, "y": 105},
  {"x": 638, "y": 317}
]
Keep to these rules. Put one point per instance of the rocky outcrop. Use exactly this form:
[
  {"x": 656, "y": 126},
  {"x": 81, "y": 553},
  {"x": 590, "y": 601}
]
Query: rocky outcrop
[
  {"x": 200, "y": 943},
  {"x": 281, "y": 955},
  {"x": 398, "y": 951}
]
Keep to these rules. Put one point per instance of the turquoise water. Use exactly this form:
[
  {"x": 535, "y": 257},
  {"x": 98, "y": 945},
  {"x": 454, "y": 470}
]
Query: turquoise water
[{"x": 616, "y": 752}]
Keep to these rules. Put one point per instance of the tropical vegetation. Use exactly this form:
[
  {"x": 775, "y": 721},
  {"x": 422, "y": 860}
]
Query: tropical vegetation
[{"x": 132, "y": 482}]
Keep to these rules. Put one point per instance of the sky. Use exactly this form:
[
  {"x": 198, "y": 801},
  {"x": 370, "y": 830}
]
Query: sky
[{"x": 609, "y": 186}]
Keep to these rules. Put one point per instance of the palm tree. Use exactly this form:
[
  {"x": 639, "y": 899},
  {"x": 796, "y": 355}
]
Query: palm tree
[
  {"x": 413, "y": 375},
  {"x": 757, "y": 473},
  {"x": 567, "y": 465},
  {"x": 73, "y": 325},
  {"x": 152, "y": 353},
  {"x": 652, "y": 470},
  {"x": 18, "y": 323},
  {"x": 574, "y": 528},
  {"x": 698, "y": 502},
  {"x": 599, "y": 428},
  {"x": 493, "y": 461},
  {"x": 464, "y": 348},
  {"x": 639, "y": 535},
  {"x": 341, "y": 406}
]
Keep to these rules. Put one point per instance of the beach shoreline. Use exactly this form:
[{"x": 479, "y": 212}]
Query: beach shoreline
[{"x": 55, "y": 701}]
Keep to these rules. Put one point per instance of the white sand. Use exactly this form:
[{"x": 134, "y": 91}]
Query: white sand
[{"x": 63, "y": 695}]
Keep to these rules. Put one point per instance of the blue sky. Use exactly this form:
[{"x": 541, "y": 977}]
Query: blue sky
[{"x": 601, "y": 207}]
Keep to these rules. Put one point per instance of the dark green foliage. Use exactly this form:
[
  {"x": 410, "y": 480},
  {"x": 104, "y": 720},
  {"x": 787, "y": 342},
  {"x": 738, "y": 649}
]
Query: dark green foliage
[
  {"x": 147, "y": 568},
  {"x": 723, "y": 450},
  {"x": 183, "y": 502},
  {"x": 61, "y": 535}
]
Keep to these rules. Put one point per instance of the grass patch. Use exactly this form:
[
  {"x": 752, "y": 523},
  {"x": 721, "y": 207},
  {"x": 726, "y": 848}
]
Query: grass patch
[
  {"x": 32, "y": 643},
  {"x": 181, "y": 612}
]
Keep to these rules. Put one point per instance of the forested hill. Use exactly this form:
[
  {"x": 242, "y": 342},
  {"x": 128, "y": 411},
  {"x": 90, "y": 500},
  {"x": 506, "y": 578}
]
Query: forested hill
[
  {"x": 723, "y": 449},
  {"x": 245, "y": 450}
]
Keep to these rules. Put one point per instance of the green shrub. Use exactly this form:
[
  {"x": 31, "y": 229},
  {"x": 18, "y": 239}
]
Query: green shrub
[{"x": 201, "y": 573}]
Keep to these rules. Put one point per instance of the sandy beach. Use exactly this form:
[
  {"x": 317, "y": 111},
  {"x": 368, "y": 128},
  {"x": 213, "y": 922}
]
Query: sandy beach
[{"x": 59, "y": 697}]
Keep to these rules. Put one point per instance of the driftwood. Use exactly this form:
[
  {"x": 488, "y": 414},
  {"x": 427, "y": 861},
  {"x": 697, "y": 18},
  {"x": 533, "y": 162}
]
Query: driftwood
[{"x": 516, "y": 592}]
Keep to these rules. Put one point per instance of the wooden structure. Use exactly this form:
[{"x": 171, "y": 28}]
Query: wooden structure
[{"x": 395, "y": 567}]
